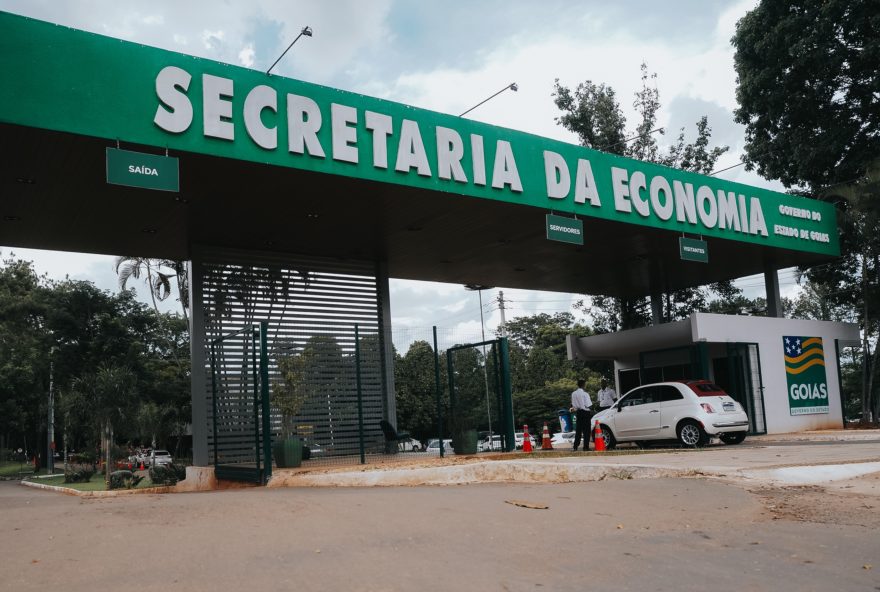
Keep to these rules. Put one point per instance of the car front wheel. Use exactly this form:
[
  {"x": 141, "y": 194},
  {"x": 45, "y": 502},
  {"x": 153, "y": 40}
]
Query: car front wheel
[
  {"x": 610, "y": 441},
  {"x": 732, "y": 437},
  {"x": 690, "y": 434}
]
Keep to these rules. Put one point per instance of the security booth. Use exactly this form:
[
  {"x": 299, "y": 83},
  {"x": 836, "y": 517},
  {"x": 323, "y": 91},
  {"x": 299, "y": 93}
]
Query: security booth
[
  {"x": 784, "y": 372},
  {"x": 294, "y": 204}
]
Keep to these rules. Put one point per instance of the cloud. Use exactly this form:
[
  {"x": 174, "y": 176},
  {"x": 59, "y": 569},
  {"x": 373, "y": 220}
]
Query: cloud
[{"x": 246, "y": 55}]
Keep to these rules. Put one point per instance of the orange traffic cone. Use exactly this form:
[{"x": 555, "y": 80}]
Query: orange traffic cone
[
  {"x": 527, "y": 441},
  {"x": 599, "y": 438},
  {"x": 142, "y": 466},
  {"x": 546, "y": 444}
]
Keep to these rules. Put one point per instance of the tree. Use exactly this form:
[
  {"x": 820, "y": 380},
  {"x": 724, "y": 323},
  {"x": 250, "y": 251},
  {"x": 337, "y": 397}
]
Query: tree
[
  {"x": 80, "y": 328},
  {"x": 414, "y": 382},
  {"x": 809, "y": 96},
  {"x": 108, "y": 394},
  {"x": 157, "y": 274},
  {"x": 808, "y": 80},
  {"x": 592, "y": 112},
  {"x": 24, "y": 364}
]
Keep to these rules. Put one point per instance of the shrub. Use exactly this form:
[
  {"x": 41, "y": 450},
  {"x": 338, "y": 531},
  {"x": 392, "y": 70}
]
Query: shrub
[
  {"x": 78, "y": 476},
  {"x": 167, "y": 474},
  {"x": 124, "y": 480}
]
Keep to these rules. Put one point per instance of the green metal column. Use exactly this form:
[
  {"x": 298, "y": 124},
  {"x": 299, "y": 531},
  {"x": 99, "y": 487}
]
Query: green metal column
[
  {"x": 264, "y": 392},
  {"x": 506, "y": 395},
  {"x": 357, "y": 367},
  {"x": 450, "y": 373},
  {"x": 438, "y": 392}
]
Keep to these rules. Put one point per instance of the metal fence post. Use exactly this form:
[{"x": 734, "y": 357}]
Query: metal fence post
[
  {"x": 507, "y": 396},
  {"x": 357, "y": 366},
  {"x": 437, "y": 391},
  {"x": 264, "y": 391}
]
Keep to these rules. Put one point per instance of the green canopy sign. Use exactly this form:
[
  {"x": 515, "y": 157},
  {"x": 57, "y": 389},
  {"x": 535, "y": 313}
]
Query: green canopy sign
[
  {"x": 805, "y": 371},
  {"x": 68, "y": 80}
]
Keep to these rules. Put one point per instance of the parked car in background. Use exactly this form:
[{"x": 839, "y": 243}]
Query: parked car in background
[
  {"x": 519, "y": 440},
  {"x": 433, "y": 446},
  {"x": 496, "y": 444},
  {"x": 409, "y": 445},
  {"x": 690, "y": 411},
  {"x": 311, "y": 449},
  {"x": 562, "y": 439},
  {"x": 160, "y": 458}
]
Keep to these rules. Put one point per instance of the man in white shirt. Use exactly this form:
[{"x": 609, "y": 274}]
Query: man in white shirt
[
  {"x": 606, "y": 395},
  {"x": 582, "y": 405}
]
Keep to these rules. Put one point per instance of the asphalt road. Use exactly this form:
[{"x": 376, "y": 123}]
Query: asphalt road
[{"x": 640, "y": 535}]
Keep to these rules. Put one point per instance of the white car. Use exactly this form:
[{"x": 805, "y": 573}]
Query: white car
[
  {"x": 160, "y": 458},
  {"x": 496, "y": 444},
  {"x": 409, "y": 445},
  {"x": 688, "y": 411},
  {"x": 518, "y": 438},
  {"x": 433, "y": 446},
  {"x": 562, "y": 439}
]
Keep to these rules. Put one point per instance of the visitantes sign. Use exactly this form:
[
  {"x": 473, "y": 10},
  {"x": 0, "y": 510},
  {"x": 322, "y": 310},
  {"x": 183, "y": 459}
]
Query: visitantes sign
[
  {"x": 691, "y": 249},
  {"x": 805, "y": 371},
  {"x": 136, "y": 169},
  {"x": 566, "y": 230},
  {"x": 72, "y": 81}
]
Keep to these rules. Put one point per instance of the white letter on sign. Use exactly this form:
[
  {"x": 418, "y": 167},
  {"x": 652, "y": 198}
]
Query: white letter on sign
[
  {"x": 177, "y": 115},
  {"x": 556, "y": 173},
  {"x": 261, "y": 97},
  {"x": 303, "y": 123},
  {"x": 342, "y": 117},
  {"x": 217, "y": 110}
]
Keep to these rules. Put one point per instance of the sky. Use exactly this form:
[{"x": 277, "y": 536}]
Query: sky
[{"x": 448, "y": 56}]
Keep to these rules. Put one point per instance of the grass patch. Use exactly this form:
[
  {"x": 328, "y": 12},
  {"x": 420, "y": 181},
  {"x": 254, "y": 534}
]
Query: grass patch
[{"x": 95, "y": 484}]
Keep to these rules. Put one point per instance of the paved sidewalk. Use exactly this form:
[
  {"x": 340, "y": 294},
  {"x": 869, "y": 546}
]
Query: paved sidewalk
[{"x": 856, "y": 456}]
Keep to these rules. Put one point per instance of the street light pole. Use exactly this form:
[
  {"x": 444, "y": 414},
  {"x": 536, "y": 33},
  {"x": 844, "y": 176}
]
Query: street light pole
[
  {"x": 512, "y": 86},
  {"x": 307, "y": 31}
]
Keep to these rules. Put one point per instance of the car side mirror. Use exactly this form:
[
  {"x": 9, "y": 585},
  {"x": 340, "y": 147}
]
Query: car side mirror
[{"x": 619, "y": 407}]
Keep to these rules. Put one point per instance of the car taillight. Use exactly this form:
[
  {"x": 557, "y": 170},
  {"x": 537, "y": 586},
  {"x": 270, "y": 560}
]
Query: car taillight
[{"x": 707, "y": 408}]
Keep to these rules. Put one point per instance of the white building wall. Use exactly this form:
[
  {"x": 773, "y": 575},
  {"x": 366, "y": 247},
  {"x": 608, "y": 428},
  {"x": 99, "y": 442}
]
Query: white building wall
[{"x": 767, "y": 332}]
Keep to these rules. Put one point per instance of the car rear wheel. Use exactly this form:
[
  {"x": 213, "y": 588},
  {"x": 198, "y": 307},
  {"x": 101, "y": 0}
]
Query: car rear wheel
[
  {"x": 610, "y": 441},
  {"x": 690, "y": 434},
  {"x": 732, "y": 437}
]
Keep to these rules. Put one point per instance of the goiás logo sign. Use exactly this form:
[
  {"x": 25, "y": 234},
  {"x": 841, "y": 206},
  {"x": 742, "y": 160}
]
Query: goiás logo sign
[{"x": 805, "y": 372}]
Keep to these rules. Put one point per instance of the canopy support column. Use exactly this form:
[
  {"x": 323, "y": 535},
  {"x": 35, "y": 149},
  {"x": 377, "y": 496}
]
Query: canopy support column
[
  {"x": 656, "y": 309},
  {"x": 774, "y": 299}
]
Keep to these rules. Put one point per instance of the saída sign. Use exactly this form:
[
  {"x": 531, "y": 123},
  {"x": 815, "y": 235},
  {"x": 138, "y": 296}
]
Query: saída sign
[{"x": 805, "y": 371}]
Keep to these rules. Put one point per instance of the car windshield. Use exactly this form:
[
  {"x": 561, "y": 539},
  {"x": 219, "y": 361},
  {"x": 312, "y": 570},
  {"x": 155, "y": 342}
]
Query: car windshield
[{"x": 162, "y": 453}]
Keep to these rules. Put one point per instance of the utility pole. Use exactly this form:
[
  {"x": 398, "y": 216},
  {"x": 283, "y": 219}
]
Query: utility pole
[{"x": 503, "y": 330}]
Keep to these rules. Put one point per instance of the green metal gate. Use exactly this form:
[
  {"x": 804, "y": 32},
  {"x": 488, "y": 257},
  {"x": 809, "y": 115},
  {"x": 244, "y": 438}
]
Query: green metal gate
[
  {"x": 242, "y": 439},
  {"x": 480, "y": 394}
]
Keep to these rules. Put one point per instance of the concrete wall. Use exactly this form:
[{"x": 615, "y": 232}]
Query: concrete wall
[{"x": 767, "y": 333}]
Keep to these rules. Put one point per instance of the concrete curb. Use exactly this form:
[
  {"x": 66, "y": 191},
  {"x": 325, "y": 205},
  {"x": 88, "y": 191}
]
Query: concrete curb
[
  {"x": 482, "y": 472},
  {"x": 114, "y": 493},
  {"x": 811, "y": 474},
  {"x": 197, "y": 479}
]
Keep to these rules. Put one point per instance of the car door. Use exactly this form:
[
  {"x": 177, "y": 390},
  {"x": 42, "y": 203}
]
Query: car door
[
  {"x": 672, "y": 408},
  {"x": 639, "y": 415}
]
